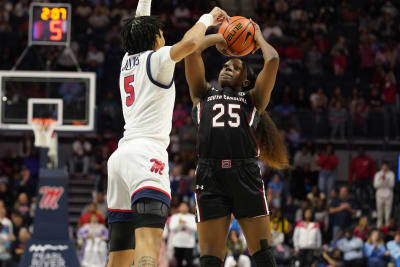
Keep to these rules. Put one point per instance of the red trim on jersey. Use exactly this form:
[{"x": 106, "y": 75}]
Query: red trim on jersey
[
  {"x": 118, "y": 210},
  {"x": 153, "y": 188},
  {"x": 255, "y": 140},
  {"x": 201, "y": 109},
  {"x": 251, "y": 115},
  {"x": 264, "y": 197},
  {"x": 198, "y": 204},
  {"x": 199, "y": 121}
]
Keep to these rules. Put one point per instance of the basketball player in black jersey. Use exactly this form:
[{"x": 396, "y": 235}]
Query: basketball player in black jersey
[{"x": 233, "y": 129}]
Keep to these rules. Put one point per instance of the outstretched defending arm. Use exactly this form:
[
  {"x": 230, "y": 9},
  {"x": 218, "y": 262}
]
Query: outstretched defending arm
[
  {"x": 194, "y": 68},
  {"x": 265, "y": 82},
  {"x": 143, "y": 8},
  {"x": 193, "y": 37}
]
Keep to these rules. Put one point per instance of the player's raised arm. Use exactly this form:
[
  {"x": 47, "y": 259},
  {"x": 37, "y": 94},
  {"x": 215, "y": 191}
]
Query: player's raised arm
[
  {"x": 194, "y": 67},
  {"x": 143, "y": 8},
  {"x": 265, "y": 82},
  {"x": 193, "y": 37}
]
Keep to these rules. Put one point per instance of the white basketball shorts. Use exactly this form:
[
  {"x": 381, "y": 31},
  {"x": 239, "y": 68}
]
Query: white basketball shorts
[{"x": 137, "y": 169}]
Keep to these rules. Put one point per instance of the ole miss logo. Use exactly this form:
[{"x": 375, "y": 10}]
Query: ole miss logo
[
  {"x": 158, "y": 166},
  {"x": 50, "y": 197}
]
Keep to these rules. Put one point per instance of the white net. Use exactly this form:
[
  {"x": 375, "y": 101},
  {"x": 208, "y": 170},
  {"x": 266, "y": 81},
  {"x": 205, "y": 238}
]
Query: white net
[{"x": 46, "y": 137}]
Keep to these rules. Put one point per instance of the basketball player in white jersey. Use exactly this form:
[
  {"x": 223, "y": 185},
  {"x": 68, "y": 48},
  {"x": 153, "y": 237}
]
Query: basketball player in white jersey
[{"x": 138, "y": 193}]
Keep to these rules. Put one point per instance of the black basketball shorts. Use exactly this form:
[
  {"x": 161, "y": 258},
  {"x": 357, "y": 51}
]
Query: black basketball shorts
[{"x": 229, "y": 186}]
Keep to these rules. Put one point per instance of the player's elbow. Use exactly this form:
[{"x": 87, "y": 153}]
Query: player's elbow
[{"x": 190, "y": 45}]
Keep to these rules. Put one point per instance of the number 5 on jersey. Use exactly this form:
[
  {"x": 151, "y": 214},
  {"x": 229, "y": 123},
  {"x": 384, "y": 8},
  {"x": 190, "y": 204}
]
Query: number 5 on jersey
[{"x": 129, "y": 90}]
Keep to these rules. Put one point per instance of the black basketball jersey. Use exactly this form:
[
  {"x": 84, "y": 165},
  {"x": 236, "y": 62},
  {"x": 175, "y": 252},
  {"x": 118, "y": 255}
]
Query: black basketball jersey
[{"x": 226, "y": 122}]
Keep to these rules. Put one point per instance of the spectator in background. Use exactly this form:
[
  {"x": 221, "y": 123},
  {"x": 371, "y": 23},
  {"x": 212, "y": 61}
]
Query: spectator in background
[
  {"x": 5, "y": 222},
  {"x": 375, "y": 251},
  {"x": 337, "y": 97},
  {"x": 328, "y": 162},
  {"x": 301, "y": 101},
  {"x": 281, "y": 251},
  {"x": 389, "y": 231},
  {"x": 236, "y": 249},
  {"x": 92, "y": 239},
  {"x": 187, "y": 137},
  {"x": 302, "y": 164},
  {"x": 305, "y": 204},
  {"x": 183, "y": 226},
  {"x": 375, "y": 100},
  {"x": 307, "y": 238},
  {"x": 23, "y": 207},
  {"x": 362, "y": 169},
  {"x": 18, "y": 222},
  {"x": 384, "y": 183},
  {"x": 362, "y": 229},
  {"x": 321, "y": 215},
  {"x": 313, "y": 62},
  {"x": 24, "y": 182},
  {"x": 283, "y": 223},
  {"x": 101, "y": 203},
  {"x": 178, "y": 116},
  {"x": 394, "y": 248},
  {"x": 337, "y": 118},
  {"x": 276, "y": 186},
  {"x": 352, "y": 247},
  {"x": 339, "y": 62},
  {"x": 333, "y": 259},
  {"x": 342, "y": 211},
  {"x": 5, "y": 194},
  {"x": 99, "y": 18},
  {"x": 19, "y": 245},
  {"x": 389, "y": 108},
  {"x": 318, "y": 100},
  {"x": 5, "y": 242},
  {"x": 95, "y": 58},
  {"x": 272, "y": 30},
  {"x": 81, "y": 152},
  {"x": 91, "y": 210}
]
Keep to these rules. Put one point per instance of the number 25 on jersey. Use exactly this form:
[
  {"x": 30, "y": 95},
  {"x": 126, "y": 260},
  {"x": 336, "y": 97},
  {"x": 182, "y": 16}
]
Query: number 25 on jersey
[
  {"x": 129, "y": 90},
  {"x": 234, "y": 117}
]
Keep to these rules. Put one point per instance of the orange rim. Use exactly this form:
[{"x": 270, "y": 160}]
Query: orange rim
[{"x": 46, "y": 122}]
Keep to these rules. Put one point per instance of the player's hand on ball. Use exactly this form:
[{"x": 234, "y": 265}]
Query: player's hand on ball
[
  {"x": 222, "y": 46},
  {"x": 257, "y": 35},
  {"x": 219, "y": 15}
]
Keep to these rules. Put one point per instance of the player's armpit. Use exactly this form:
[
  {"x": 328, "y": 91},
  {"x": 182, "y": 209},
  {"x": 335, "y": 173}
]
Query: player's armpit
[{"x": 195, "y": 77}]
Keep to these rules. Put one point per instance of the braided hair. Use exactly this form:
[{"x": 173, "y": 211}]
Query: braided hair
[
  {"x": 139, "y": 34},
  {"x": 272, "y": 146}
]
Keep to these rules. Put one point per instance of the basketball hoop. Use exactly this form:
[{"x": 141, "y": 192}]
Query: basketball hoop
[{"x": 45, "y": 137}]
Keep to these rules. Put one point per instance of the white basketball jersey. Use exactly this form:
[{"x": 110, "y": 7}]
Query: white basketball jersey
[{"x": 147, "y": 104}]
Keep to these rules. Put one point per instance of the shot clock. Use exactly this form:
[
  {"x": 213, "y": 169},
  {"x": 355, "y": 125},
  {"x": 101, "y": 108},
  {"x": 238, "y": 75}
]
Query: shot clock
[{"x": 49, "y": 24}]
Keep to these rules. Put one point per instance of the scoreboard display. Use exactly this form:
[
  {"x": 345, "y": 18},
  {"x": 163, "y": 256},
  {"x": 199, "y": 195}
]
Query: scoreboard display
[{"x": 49, "y": 24}]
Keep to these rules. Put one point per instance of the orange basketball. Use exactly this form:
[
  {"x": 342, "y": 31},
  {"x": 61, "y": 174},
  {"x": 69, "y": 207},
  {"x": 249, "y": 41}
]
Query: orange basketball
[{"x": 239, "y": 35}]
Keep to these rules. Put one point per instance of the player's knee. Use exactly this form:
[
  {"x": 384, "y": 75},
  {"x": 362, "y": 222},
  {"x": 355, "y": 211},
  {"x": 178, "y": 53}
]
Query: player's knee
[
  {"x": 149, "y": 212},
  {"x": 265, "y": 256},
  {"x": 215, "y": 249},
  {"x": 122, "y": 236},
  {"x": 210, "y": 261}
]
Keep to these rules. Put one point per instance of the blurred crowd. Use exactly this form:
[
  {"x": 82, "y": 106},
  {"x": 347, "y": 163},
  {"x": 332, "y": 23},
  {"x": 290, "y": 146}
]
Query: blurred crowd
[
  {"x": 338, "y": 58},
  {"x": 317, "y": 219},
  {"x": 338, "y": 78}
]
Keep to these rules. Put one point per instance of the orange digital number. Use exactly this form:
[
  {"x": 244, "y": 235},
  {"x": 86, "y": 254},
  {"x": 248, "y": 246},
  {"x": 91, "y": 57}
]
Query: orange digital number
[
  {"x": 63, "y": 12},
  {"x": 45, "y": 13},
  {"x": 55, "y": 14},
  {"x": 55, "y": 27}
]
